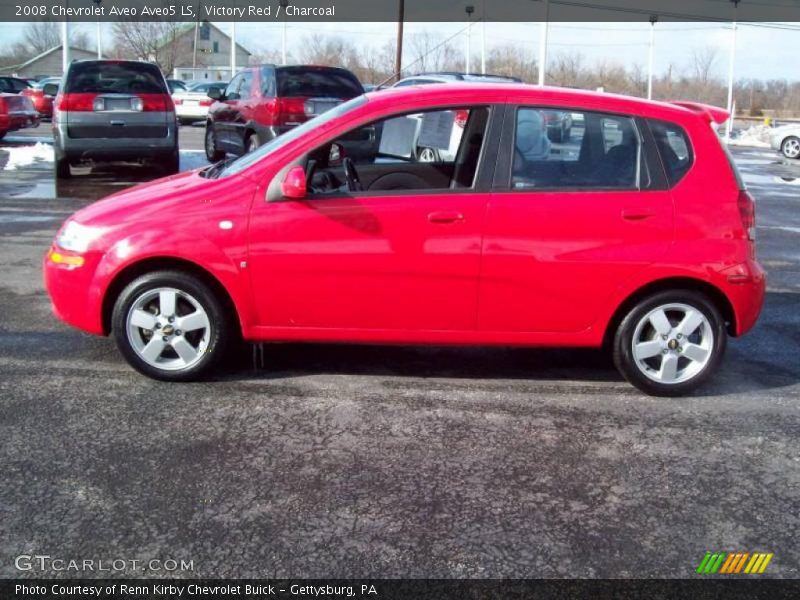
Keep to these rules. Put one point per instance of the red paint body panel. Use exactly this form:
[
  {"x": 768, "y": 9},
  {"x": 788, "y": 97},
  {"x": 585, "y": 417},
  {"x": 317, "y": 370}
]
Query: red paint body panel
[{"x": 502, "y": 267}]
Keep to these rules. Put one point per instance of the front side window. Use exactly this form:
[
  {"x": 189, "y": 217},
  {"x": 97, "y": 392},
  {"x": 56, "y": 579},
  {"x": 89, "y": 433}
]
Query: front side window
[
  {"x": 556, "y": 149},
  {"x": 232, "y": 91},
  {"x": 246, "y": 85},
  {"x": 674, "y": 147},
  {"x": 431, "y": 150}
]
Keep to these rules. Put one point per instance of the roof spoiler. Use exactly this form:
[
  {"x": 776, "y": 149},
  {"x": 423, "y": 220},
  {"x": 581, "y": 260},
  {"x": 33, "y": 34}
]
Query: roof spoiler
[{"x": 712, "y": 113}]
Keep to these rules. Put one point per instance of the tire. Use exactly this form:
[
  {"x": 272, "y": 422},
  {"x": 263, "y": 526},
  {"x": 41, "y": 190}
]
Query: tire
[
  {"x": 212, "y": 154},
  {"x": 62, "y": 168},
  {"x": 428, "y": 155},
  {"x": 138, "y": 322},
  {"x": 171, "y": 163},
  {"x": 790, "y": 147},
  {"x": 3, "y": 134},
  {"x": 251, "y": 143},
  {"x": 662, "y": 343}
]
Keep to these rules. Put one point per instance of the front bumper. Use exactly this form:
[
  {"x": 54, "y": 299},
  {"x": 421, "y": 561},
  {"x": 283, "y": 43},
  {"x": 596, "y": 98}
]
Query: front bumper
[{"x": 73, "y": 296}]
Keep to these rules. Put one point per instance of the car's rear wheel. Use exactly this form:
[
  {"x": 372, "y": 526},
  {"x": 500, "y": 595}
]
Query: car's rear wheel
[
  {"x": 170, "y": 326},
  {"x": 212, "y": 153},
  {"x": 62, "y": 168},
  {"x": 670, "y": 342},
  {"x": 790, "y": 147},
  {"x": 172, "y": 163}
]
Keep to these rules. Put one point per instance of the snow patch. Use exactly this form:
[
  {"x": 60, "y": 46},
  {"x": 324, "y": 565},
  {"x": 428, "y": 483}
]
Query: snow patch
[
  {"x": 24, "y": 156},
  {"x": 756, "y": 135}
]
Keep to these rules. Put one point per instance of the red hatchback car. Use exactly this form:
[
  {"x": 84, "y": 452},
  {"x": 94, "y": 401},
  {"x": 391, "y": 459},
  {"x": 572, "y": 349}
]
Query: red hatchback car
[{"x": 636, "y": 233}]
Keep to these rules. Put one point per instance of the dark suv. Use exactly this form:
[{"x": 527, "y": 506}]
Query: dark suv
[
  {"x": 108, "y": 110},
  {"x": 263, "y": 102}
]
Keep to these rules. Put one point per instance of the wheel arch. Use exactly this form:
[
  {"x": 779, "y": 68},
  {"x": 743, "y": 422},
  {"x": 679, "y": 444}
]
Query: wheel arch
[
  {"x": 162, "y": 263},
  {"x": 713, "y": 293}
]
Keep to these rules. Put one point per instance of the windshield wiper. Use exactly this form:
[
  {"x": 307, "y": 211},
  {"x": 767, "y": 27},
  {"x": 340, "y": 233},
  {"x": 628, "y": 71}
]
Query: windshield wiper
[{"x": 214, "y": 171}]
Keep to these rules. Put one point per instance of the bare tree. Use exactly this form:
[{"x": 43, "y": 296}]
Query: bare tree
[
  {"x": 41, "y": 36},
  {"x": 704, "y": 60},
  {"x": 148, "y": 40},
  {"x": 430, "y": 53}
]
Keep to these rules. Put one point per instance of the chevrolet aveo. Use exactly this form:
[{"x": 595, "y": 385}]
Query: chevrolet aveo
[{"x": 635, "y": 233}]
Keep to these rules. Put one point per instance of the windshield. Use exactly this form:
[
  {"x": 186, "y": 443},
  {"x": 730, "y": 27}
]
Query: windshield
[{"x": 282, "y": 140}]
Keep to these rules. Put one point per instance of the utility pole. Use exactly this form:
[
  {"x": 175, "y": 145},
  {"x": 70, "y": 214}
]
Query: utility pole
[
  {"x": 729, "y": 124},
  {"x": 99, "y": 39},
  {"x": 398, "y": 57},
  {"x": 543, "y": 42},
  {"x": 64, "y": 46},
  {"x": 283, "y": 4},
  {"x": 468, "y": 62},
  {"x": 483, "y": 37},
  {"x": 653, "y": 19},
  {"x": 233, "y": 48}
]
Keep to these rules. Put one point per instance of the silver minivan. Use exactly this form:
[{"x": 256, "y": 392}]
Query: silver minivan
[{"x": 114, "y": 110}]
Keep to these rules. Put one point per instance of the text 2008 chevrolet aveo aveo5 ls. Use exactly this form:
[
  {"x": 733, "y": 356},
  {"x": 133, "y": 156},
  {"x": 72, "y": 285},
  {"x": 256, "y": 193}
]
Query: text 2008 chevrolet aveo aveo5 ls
[{"x": 635, "y": 232}]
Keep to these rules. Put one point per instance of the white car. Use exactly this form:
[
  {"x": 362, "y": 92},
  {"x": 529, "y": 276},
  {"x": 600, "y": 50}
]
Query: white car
[
  {"x": 786, "y": 140},
  {"x": 192, "y": 104}
]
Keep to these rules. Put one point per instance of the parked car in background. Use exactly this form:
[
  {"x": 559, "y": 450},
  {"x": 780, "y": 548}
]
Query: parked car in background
[
  {"x": 113, "y": 110},
  {"x": 786, "y": 140},
  {"x": 43, "y": 102},
  {"x": 193, "y": 103},
  {"x": 176, "y": 85},
  {"x": 13, "y": 85},
  {"x": 453, "y": 77},
  {"x": 16, "y": 112},
  {"x": 261, "y": 103},
  {"x": 642, "y": 242}
]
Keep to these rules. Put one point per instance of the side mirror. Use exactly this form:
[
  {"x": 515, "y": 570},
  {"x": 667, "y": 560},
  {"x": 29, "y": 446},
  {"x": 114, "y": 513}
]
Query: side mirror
[
  {"x": 294, "y": 184},
  {"x": 215, "y": 93},
  {"x": 51, "y": 89}
]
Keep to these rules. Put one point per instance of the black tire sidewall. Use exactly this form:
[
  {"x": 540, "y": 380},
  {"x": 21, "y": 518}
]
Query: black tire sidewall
[
  {"x": 220, "y": 328},
  {"x": 216, "y": 155},
  {"x": 623, "y": 352}
]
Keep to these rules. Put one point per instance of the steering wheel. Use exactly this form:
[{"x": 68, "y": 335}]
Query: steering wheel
[{"x": 351, "y": 175}]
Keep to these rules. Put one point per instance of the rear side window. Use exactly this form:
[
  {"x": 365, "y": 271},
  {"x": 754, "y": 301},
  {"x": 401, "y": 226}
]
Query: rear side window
[
  {"x": 115, "y": 78},
  {"x": 675, "y": 149},
  {"x": 296, "y": 82},
  {"x": 556, "y": 149}
]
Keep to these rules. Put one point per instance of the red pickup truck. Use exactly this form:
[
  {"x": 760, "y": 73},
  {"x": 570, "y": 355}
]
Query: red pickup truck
[{"x": 262, "y": 102}]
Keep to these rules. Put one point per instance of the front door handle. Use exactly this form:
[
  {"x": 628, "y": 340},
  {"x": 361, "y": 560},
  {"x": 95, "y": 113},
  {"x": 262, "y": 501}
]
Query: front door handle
[
  {"x": 445, "y": 217},
  {"x": 638, "y": 214}
]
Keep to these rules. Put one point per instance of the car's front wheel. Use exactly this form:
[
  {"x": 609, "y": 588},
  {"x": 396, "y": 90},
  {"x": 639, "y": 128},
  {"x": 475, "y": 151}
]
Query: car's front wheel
[
  {"x": 790, "y": 147},
  {"x": 170, "y": 325},
  {"x": 670, "y": 342}
]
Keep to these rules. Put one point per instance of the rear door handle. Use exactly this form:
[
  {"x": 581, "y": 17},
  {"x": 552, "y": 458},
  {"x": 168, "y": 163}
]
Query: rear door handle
[
  {"x": 445, "y": 217},
  {"x": 637, "y": 214}
]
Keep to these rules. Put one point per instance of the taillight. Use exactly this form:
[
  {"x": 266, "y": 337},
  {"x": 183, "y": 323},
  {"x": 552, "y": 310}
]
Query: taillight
[
  {"x": 208, "y": 102},
  {"x": 461, "y": 118},
  {"x": 3, "y": 108},
  {"x": 747, "y": 211},
  {"x": 156, "y": 103},
  {"x": 177, "y": 101},
  {"x": 290, "y": 111},
  {"x": 77, "y": 102}
]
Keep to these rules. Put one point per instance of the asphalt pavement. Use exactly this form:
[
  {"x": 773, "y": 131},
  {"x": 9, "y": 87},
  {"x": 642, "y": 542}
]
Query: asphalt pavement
[{"x": 355, "y": 461}]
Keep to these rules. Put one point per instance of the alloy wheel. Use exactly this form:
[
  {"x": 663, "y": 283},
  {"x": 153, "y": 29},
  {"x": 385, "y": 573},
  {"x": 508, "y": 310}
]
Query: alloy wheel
[
  {"x": 168, "y": 329},
  {"x": 673, "y": 343},
  {"x": 791, "y": 148}
]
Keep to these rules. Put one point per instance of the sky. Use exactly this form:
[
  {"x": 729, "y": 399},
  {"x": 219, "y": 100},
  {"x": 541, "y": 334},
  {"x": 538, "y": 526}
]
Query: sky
[{"x": 761, "y": 52}]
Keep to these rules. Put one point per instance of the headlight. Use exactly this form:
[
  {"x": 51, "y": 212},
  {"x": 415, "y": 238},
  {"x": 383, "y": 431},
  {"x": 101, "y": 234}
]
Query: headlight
[{"x": 76, "y": 237}]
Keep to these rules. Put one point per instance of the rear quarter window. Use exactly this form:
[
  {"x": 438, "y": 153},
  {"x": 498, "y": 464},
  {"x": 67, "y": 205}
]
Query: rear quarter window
[
  {"x": 674, "y": 148},
  {"x": 318, "y": 83},
  {"x": 115, "y": 78}
]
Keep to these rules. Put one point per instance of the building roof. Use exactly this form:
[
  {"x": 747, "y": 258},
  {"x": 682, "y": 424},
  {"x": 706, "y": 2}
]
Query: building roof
[
  {"x": 42, "y": 55},
  {"x": 187, "y": 27}
]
